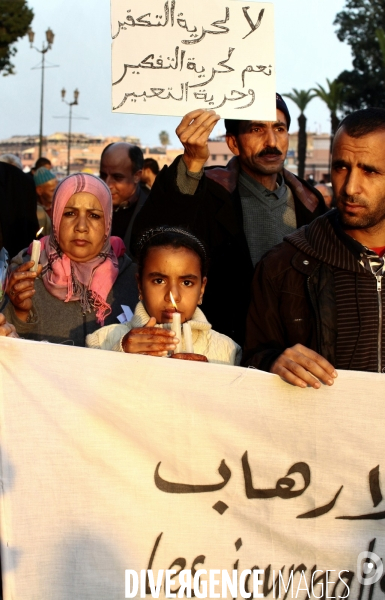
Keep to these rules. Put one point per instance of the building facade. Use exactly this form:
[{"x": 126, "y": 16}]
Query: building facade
[
  {"x": 85, "y": 151},
  {"x": 317, "y": 155}
]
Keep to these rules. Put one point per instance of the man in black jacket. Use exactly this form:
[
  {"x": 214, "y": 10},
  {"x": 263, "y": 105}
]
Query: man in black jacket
[
  {"x": 121, "y": 169},
  {"x": 317, "y": 298},
  {"x": 239, "y": 211},
  {"x": 18, "y": 220}
]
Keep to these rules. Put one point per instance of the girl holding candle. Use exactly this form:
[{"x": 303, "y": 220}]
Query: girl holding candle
[
  {"x": 172, "y": 267},
  {"x": 85, "y": 276}
]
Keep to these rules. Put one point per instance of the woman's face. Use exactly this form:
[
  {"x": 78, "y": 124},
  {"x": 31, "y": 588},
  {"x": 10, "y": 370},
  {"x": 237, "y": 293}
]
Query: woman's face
[
  {"x": 81, "y": 231},
  {"x": 175, "y": 270}
]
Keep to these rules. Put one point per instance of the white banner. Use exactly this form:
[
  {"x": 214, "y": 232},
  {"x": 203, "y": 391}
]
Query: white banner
[
  {"x": 173, "y": 56},
  {"x": 114, "y": 462}
]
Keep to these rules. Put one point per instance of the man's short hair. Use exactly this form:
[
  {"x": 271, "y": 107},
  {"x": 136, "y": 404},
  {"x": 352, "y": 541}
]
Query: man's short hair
[
  {"x": 134, "y": 152},
  {"x": 364, "y": 121},
  {"x": 42, "y": 162},
  {"x": 232, "y": 125},
  {"x": 152, "y": 164}
]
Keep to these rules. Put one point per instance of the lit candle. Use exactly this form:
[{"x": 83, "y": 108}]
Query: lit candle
[
  {"x": 176, "y": 325},
  {"x": 188, "y": 338},
  {"x": 36, "y": 248}
]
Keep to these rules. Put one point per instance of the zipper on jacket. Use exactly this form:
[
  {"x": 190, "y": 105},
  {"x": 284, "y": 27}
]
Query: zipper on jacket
[{"x": 379, "y": 340}]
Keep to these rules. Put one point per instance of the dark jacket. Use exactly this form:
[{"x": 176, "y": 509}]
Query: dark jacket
[
  {"x": 214, "y": 214},
  {"x": 143, "y": 195},
  {"x": 119, "y": 214},
  {"x": 18, "y": 220},
  {"x": 296, "y": 299}
]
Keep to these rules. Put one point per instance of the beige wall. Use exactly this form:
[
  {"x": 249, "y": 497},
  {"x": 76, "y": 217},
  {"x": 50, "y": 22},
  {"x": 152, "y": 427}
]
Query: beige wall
[
  {"x": 317, "y": 155},
  {"x": 86, "y": 151}
]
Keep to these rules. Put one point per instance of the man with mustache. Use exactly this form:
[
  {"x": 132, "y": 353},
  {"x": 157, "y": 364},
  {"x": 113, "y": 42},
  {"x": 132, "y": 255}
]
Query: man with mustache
[
  {"x": 239, "y": 211},
  {"x": 318, "y": 298}
]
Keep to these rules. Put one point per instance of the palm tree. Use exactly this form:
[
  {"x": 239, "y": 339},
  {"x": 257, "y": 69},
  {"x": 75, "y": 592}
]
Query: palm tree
[
  {"x": 333, "y": 100},
  {"x": 301, "y": 98},
  {"x": 164, "y": 138}
]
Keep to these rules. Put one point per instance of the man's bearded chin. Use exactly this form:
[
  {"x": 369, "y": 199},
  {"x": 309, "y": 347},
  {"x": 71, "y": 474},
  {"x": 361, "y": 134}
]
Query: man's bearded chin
[
  {"x": 351, "y": 223},
  {"x": 363, "y": 221}
]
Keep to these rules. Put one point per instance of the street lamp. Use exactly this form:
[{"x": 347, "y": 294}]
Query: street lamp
[
  {"x": 49, "y": 34},
  {"x": 70, "y": 104}
]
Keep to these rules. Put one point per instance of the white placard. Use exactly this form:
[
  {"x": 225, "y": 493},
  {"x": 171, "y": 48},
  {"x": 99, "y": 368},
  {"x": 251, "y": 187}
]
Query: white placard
[
  {"x": 113, "y": 462},
  {"x": 173, "y": 56}
]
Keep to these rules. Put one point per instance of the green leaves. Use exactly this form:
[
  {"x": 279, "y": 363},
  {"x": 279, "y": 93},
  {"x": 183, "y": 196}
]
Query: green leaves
[
  {"x": 380, "y": 34},
  {"x": 361, "y": 24},
  {"x": 301, "y": 98},
  {"x": 164, "y": 138},
  {"x": 15, "y": 18},
  {"x": 333, "y": 97}
]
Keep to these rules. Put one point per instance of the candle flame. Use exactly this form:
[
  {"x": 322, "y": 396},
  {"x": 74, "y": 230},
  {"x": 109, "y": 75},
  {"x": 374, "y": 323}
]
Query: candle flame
[
  {"x": 173, "y": 301},
  {"x": 39, "y": 232}
]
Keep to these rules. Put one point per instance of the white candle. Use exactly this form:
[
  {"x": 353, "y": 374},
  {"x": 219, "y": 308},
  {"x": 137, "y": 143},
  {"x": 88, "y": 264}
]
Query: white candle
[
  {"x": 35, "y": 256},
  {"x": 188, "y": 338},
  {"x": 176, "y": 326}
]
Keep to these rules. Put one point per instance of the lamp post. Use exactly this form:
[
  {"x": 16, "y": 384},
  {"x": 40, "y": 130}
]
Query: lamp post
[
  {"x": 70, "y": 104},
  {"x": 49, "y": 34}
]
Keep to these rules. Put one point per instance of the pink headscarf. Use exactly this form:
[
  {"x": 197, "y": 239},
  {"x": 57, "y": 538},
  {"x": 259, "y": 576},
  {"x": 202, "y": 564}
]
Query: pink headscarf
[{"x": 89, "y": 282}]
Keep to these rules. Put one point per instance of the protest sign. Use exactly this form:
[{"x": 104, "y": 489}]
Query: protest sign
[
  {"x": 114, "y": 462},
  {"x": 171, "y": 57}
]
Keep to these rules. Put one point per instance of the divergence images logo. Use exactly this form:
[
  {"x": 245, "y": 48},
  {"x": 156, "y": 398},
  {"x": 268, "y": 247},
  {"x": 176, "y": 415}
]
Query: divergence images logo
[{"x": 369, "y": 568}]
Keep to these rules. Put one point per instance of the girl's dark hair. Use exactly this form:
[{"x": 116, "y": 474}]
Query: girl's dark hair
[{"x": 175, "y": 237}]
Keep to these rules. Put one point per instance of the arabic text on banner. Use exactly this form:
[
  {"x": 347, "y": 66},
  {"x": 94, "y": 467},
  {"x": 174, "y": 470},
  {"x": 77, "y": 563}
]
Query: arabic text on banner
[{"x": 112, "y": 462}]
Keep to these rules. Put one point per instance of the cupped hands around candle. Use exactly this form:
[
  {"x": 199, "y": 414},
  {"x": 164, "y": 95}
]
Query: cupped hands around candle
[
  {"x": 21, "y": 288},
  {"x": 149, "y": 340}
]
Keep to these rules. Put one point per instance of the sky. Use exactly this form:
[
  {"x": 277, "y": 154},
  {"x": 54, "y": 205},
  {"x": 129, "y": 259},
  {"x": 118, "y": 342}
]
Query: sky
[{"x": 307, "y": 52}]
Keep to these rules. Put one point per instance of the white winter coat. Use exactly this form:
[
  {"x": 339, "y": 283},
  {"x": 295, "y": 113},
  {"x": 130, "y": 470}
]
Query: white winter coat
[{"x": 218, "y": 348}]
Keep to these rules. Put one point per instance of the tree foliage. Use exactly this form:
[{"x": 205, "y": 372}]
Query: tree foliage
[
  {"x": 357, "y": 25},
  {"x": 301, "y": 98},
  {"x": 380, "y": 34},
  {"x": 333, "y": 98},
  {"x": 15, "y": 18},
  {"x": 164, "y": 138}
]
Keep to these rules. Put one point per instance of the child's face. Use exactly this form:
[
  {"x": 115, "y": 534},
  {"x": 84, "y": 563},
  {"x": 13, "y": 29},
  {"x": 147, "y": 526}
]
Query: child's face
[{"x": 173, "y": 270}]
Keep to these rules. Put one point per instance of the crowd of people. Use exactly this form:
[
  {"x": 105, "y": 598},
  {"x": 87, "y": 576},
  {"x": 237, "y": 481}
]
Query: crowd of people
[{"x": 252, "y": 257}]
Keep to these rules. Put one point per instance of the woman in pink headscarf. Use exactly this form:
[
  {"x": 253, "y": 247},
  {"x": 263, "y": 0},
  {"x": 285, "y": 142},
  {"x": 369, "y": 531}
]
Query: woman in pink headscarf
[{"x": 84, "y": 277}]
